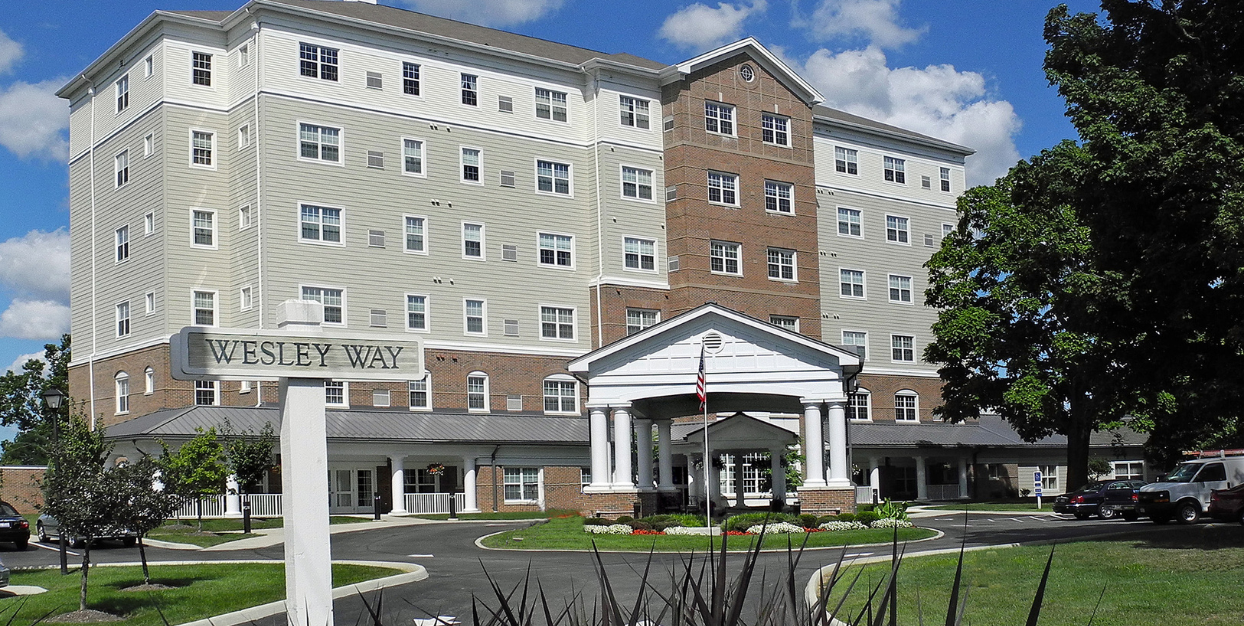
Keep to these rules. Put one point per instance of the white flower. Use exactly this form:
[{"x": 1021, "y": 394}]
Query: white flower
[
  {"x": 892, "y": 523},
  {"x": 679, "y": 530},
  {"x": 612, "y": 529},
  {"x": 780, "y": 528},
  {"x": 835, "y": 526}
]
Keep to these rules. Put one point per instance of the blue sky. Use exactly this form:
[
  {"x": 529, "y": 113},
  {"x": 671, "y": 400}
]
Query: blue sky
[{"x": 967, "y": 71}]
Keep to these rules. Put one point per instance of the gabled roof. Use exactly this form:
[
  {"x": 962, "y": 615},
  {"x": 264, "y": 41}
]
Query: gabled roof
[
  {"x": 757, "y": 52},
  {"x": 692, "y": 432},
  {"x": 835, "y": 117}
]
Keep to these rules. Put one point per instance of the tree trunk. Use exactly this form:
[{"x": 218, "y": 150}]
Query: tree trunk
[
  {"x": 142, "y": 556},
  {"x": 86, "y": 570},
  {"x": 1079, "y": 429}
]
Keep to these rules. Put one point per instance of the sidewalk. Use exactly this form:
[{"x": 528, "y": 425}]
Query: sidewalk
[
  {"x": 268, "y": 537},
  {"x": 926, "y": 510}
]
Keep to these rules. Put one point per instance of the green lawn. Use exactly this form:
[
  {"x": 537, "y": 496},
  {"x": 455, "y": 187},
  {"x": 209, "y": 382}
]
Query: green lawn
[
  {"x": 1047, "y": 506},
  {"x": 200, "y": 591},
  {"x": 503, "y": 515},
  {"x": 566, "y": 533},
  {"x": 1161, "y": 579},
  {"x": 185, "y": 531}
]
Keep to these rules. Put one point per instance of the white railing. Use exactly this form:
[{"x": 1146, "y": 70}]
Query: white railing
[
  {"x": 262, "y": 505},
  {"x": 864, "y": 495},
  {"x": 943, "y": 492},
  {"x": 213, "y": 506},
  {"x": 265, "y": 504},
  {"x": 433, "y": 502}
]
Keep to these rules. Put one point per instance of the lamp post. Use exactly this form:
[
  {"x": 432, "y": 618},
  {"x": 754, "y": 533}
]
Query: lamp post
[{"x": 54, "y": 398}]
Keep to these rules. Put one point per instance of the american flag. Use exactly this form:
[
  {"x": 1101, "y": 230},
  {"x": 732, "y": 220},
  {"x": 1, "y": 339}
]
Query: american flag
[{"x": 701, "y": 390}]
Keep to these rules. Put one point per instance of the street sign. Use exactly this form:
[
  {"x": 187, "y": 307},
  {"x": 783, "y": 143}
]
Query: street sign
[
  {"x": 231, "y": 354},
  {"x": 1036, "y": 477},
  {"x": 1038, "y": 491}
]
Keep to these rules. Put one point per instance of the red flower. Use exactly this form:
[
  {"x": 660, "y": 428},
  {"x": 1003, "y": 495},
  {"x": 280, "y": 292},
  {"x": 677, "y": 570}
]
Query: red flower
[{"x": 647, "y": 532}]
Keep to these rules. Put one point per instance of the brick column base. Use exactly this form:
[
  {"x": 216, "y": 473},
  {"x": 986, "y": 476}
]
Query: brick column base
[
  {"x": 649, "y": 503},
  {"x": 823, "y": 501},
  {"x": 610, "y": 505}
]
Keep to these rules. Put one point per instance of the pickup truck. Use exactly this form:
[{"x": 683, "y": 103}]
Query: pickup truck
[{"x": 1184, "y": 494}]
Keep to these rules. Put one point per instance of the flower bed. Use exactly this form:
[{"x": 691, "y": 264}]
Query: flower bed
[
  {"x": 892, "y": 523},
  {"x": 780, "y": 528},
  {"x": 836, "y": 526},
  {"x": 663, "y": 526},
  {"x": 612, "y": 529}
]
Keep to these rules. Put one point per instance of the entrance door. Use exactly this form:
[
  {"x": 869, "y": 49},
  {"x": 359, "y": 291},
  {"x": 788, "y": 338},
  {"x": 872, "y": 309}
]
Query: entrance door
[
  {"x": 341, "y": 490},
  {"x": 365, "y": 489}
]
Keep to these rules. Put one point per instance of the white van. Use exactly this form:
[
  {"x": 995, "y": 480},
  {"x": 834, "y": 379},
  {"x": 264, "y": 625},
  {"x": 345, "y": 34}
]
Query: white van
[{"x": 1184, "y": 493}]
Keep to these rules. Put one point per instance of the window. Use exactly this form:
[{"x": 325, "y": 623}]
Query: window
[
  {"x": 245, "y": 217},
  {"x": 556, "y": 250},
  {"x": 319, "y": 143},
  {"x": 925, "y": 183},
  {"x": 204, "y": 308},
  {"x": 1128, "y": 470},
  {"x": 778, "y": 196},
  {"x": 148, "y": 67},
  {"x": 471, "y": 159},
  {"x": 410, "y": 78},
  {"x": 380, "y": 398},
  {"x": 522, "y": 484},
  {"x": 636, "y": 183},
  {"x": 412, "y": 157},
  {"x": 507, "y": 178},
  {"x": 317, "y": 61},
  {"x": 846, "y": 160},
  {"x": 319, "y": 224},
  {"x": 203, "y": 226},
  {"x": 335, "y": 393},
  {"x": 244, "y": 56},
  {"x": 201, "y": 68},
  {"x": 205, "y": 393},
  {"x": 905, "y": 406},
  {"x": 775, "y": 129},
  {"x": 474, "y": 314},
  {"x": 123, "y": 319},
  {"x": 585, "y": 477},
  {"x": 149, "y": 376},
  {"x": 379, "y": 318},
  {"x": 150, "y": 301},
  {"x": 123, "y": 93},
  {"x": 785, "y": 321},
  {"x": 722, "y": 188},
  {"x": 416, "y": 238},
  {"x": 556, "y": 323},
  {"x": 1049, "y": 478},
  {"x": 550, "y": 105},
  {"x": 640, "y": 254},
  {"x": 420, "y": 393},
  {"x": 945, "y": 176},
  {"x": 781, "y": 264},
  {"x": 858, "y": 340},
  {"x": 634, "y": 112},
  {"x": 122, "y": 168},
  {"x": 947, "y": 229},
  {"x": 894, "y": 170},
  {"x": 149, "y": 224},
  {"x": 202, "y": 145},
  {"x": 416, "y": 312},
  {"x": 477, "y": 391},
  {"x": 719, "y": 118},
  {"x": 851, "y": 283},
  {"x": 246, "y": 299},
  {"x": 510, "y": 328},
  {"x": 859, "y": 405},
  {"x": 553, "y": 177},
  {"x": 896, "y": 229},
  {"x": 470, "y": 89},
  {"x": 900, "y": 289},
  {"x": 639, "y": 319},
  {"x": 505, "y": 104},
  {"x": 560, "y": 396},
  {"x": 333, "y": 301},
  {"x": 724, "y": 258},
  {"x": 375, "y": 159},
  {"x": 148, "y": 145},
  {"x": 375, "y": 80},
  {"x": 122, "y": 238},
  {"x": 903, "y": 348},
  {"x": 123, "y": 393},
  {"x": 244, "y": 137},
  {"x": 849, "y": 222},
  {"x": 472, "y": 241}
]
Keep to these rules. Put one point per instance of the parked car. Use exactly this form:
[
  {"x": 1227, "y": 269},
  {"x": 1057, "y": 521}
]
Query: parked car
[
  {"x": 13, "y": 527},
  {"x": 1227, "y": 504},
  {"x": 1106, "y": 499},
  {"x": 1184, "y": 493},
  {"x": 47, "y": 527},
  {"x": 4, "y": 573}
]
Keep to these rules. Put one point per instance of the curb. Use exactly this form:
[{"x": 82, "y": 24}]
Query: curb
[{"x": 479, "y": 544}]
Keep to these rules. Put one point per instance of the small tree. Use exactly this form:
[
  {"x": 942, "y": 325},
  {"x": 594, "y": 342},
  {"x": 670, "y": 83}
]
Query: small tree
[
  {"x": 196, "y": 470},
  {"x": 249, "y": 455},
  {"x": 143, "y": 506},
  {"x": 1098, "y": 467}
]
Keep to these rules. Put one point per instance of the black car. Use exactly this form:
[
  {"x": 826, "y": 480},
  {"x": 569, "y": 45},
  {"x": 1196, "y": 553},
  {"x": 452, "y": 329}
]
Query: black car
[
  {"x": 1105, "y": 499},
  {"x": 13, "y": 527}
]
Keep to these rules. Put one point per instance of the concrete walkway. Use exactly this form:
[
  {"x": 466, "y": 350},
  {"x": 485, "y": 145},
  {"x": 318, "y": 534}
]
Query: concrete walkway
[
  {"x": 927, "y": 510},
  {"x": 268, "y": 537}
]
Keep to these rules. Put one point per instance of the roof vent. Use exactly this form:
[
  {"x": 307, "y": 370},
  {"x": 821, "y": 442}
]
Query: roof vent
[{"x": 712, "y": 343}]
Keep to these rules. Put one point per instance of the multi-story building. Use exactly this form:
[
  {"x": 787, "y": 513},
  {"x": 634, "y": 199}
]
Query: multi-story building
[{"x": 517, "y": 203}]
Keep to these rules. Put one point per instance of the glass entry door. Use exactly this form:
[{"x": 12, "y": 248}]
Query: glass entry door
[{"x": 350, "y": 490}]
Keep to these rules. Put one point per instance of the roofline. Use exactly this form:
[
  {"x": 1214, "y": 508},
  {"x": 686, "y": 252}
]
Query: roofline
[
  {"x": 810, "y": 95},
  {"x": 890, "y": 134}
]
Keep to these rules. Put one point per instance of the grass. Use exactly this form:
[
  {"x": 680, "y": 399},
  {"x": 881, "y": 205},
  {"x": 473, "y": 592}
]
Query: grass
[
  {"x": 566, "y": 533},
  {"x": 200, "y": 591},
  {"x": 184, "y": 531},
  {"x": 502, "y": 515},
  {"x": 1189, "y": 577},
  {"x": 1047, "y": 506}
]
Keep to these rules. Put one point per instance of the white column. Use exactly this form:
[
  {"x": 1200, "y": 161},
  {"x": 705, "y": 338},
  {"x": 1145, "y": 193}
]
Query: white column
[
  {"x": 778, "y": 474},
  {"x": 874, "y": 475},
  {"x": 397, "y": 489},
  {"x": 622, "y": 448},
  {"x": 740, "y": 487},
  {"x": 963, "y": 477},
  {"x": 665, "y": 460},
  {"x": 600, "y": 448},
  {"x": 233, "y": 498},
  {"x": 839, "y": 467},
  {"x": 922, "y": 482},
  {"x": 814, "y": 445},
  {"x": 304, "y": 472},
  {"x": 643, "y": 430},
  {"x": 469, "y": 486},
  {"x": 714, "y": 478}
]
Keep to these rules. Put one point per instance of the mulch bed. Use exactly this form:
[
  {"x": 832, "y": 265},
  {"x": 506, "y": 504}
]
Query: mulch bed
[
  {"x": 148, "y": 587},
  {"x": 84, "y": 617}
]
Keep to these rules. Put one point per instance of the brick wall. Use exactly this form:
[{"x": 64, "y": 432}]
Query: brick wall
[
  {"x": 20, "y": 487},
  {"x": 883, "y": 388},
  {"x": 615, "y": 300},
  {"x": 826, "y": 501}
]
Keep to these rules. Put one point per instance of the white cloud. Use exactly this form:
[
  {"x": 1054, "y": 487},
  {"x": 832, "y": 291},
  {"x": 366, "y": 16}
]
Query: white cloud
[
  {"x": 16, "y": 366},
  {"x": 34, "y": 319},
  {"x": 33, "y": 120},
  {"x": 700, "y": 27},
  {"x": 37, "y": 264},
  {"x": 10, "y": 53},
  {"x": 876, "y": 21},
  {"x": 491, "y": 13},
  {"x": 936, "y": 100}
]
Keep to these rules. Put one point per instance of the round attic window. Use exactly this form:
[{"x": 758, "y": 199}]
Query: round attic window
[
  {"x": 747, "y": 73},
  {"x": 712, "y": 343}
]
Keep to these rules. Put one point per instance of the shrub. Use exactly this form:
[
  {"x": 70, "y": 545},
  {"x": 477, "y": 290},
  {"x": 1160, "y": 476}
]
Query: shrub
[
  {"x": 892, "y": 510},
  {"x": 596, "y": 521},
  {"x": 744, "y": 521},
  {"x": 780, "y": 528},
  {"x": 624, "y": 519},
  {"x": 890, "y": 522},
  {"x": 641, "y": 525},
  {"x": 867, "y": 517},
  {"x": 860, "y": 508},
  {"x": 807, "y": 520},
  {"x": 660, "y": 522},
  {"x": 686, "y": 519},
  {"x": 835, "y": 526},
  {"x": 846, "y": 517}
]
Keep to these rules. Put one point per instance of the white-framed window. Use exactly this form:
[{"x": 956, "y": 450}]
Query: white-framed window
[
  {"x": 412, "y": 157},
  {"x": 781, "y": 264},
  {"x": 380, "y": 398},
  {"x": 148, "y": 145},
  {"x": 553, "y": 177},
  {"x": 550, "y": 105},
  {"x": 477, "y": 392},
  {"x": 123, "y": 393},
  {"x": 319, "y": 143},
  {"x": 849, "y": 223},
  {"x": 894, "y": 170},
  {"x": 470, "y": 89},
  {"x": 472, "y": 160},
  {"x": 789, "y": 322},
  {"x": 639, "y": 254},
  {"x": 149, "y": 300},
  {"x": 149, "y": 223},
  {"x": 779, "y": 197},
  {"x": 585, "y": 477},
  {"x": 775, "y": 129},
  {"x": 122, "y": 91},
  {"x": 315, "y": 61},
  {"x": 335, "y": 393},
  {"x": 851, "y": 283},
  {"x": 417, "y": 312},
  {"x": 202, "y": 149},
  {"x": 944, "y": 174},
  {"x": 121, "y": 238},
  {"x": 719, "y": 118},
  {"x": 201, "y": 69},
  {"x": 148, "y": 67},
  {"x": 639, "y": 319},
  {"x": 561, "y": 395},
  {"x": 900, "y": 289},
  {"x": 947, "y": 229},
  {"x": 123, "y": 319},
  {"x": 246, "y": 217},
  {"x": 203, "y": 305},
  {"x": 203, "y": 228},
  {"x": 149, "y": 379},
  {"x": 846, "y": 160},
  {"x": 636, "y": 183},
  {"x": 1127, "y": 470},
  {"x": 420, "y": 392},
  {"x": 634, "y": 111},
  {"x": 555, "y": 250},
  {"x": 206, "y": 393},
  {"x": 860, "y": 405},
  {"x": 505, "y": 104},
  {"x": 121, "y": 166},
  {"x": 375, "y": 80},
  {"x": 723, "y": 188},
  {"x": 378, "y": 318},
  {"x": 906, "y": 406},
  {"x": 472, "y": 241},
  {"x": 333, "y": 299},
  {"x": 246, "y": 298},
  {"x": 410, "y": 78},
  {"x": 244, "y": 136},
  {"x": 475, "y": 317},
  {"x": 244, "y": 56},
  {"x": 317, "y": 224},
  {"x": 415, "y": 234},
  {"x": 522, "y": 484},
  {"x": 896, "y": 230},
  {"x": 557, "y": 323},
  {"x": 925, "y": 183},
  {"x": 902, "y": 348},
  {"x": 723, "y": 258},
  {"x": 857, "y": 339},
  {"x": 1049, "y": 478}
]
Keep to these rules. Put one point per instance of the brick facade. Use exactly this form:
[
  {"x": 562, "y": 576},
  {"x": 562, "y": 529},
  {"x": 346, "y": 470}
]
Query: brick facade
[
  {"x": 19, "y": 486},
  {"x": 826, "y": 501},
  {"x": 882, "y": 388},
  {"x": 614, "y": 301}
]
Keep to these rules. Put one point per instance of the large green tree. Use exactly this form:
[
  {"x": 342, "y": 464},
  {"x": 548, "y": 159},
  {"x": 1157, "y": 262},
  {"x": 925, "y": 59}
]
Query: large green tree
[
  {"x": 21, "y": 405},
  {"x": 197, "y": 469}
]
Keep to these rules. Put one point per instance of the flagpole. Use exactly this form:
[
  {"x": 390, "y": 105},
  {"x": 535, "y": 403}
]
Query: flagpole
[{"x": 702, "y": 392}]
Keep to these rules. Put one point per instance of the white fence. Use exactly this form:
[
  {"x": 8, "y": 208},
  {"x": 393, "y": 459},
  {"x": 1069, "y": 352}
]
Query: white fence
[
  {"x": 213, "y": 506},
  {"x": 433, "y": 502},
  {"x": 864, "y": 495},
  {"x": 262, "y": 505},
  {"x": 943, "y": 492}
]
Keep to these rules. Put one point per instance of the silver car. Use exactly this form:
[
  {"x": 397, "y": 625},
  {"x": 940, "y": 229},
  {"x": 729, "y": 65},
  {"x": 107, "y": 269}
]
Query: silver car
[
  {"x": 47, "y": 527},
  {"x": 4, "y": 575}
]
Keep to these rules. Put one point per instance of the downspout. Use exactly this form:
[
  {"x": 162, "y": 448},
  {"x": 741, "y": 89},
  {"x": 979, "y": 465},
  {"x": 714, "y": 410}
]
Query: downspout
[
  {"x": 600, "y": 234},
  {"x": 492, "y": 463},
  {"x": 94, "y": 313},
  {"x": 258, "y": 213}
]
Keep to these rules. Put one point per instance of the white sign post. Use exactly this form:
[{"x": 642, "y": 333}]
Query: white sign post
[
  {"x": 301, "y": 357},
  {"x": 1036, "y": 483}
]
